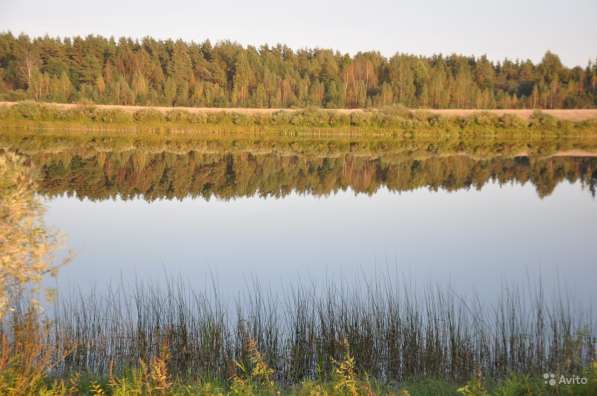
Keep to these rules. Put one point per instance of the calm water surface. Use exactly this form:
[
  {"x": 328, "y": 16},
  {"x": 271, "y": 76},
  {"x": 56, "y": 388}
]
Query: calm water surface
[
  {"x": 470, "y": 240},
  {"x": 241, "y": 214}
]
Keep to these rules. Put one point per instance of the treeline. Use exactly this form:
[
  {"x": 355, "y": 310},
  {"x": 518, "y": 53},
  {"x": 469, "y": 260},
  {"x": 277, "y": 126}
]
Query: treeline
[
  {"x": 151, "y": 176},
  {"x": 176, "y": 73}
]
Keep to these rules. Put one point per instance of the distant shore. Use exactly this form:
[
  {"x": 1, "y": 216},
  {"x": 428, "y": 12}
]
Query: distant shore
[
  {"x": 387, "y": 120},
  {"x": 561, "y": 114}
]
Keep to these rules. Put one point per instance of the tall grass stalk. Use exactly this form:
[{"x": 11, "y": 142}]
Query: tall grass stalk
[{"x": 393, "y": 332}]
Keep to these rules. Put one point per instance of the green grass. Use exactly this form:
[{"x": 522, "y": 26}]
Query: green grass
[
  {"x": 397, "y": 119},
  {"x": 340, "y": 386}
]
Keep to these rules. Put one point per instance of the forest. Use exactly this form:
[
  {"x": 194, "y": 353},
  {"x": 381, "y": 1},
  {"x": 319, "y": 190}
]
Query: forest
[{"x": 125, "y": 71}]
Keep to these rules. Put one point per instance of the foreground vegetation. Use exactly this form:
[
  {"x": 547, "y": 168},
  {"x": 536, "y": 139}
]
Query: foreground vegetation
[
  {"x": 368, "y": 338},
  {"x": 156, "y": 72},
  {"x": 387, "y": 119},
  {"x": 26, "y": 373},
  {"x": 336, "y": 342}
]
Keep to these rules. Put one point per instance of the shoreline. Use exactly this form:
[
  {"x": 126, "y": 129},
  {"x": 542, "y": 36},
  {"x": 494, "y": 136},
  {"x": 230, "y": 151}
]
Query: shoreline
[{"x": 575, "y": 115}]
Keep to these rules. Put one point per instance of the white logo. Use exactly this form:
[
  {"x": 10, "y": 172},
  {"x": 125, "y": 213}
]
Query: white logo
[{"x": 552, "y": 380}]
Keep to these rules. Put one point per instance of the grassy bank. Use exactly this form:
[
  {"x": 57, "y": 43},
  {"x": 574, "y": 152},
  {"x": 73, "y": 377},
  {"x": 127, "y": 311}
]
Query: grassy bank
[
  {"x": 377, "y": 339},
  {"x": 396, "y": 119}
]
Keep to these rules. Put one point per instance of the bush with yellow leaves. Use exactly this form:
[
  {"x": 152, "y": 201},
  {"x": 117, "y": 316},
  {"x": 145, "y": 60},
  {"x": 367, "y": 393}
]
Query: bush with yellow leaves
[{"x": 26, "y": 245}]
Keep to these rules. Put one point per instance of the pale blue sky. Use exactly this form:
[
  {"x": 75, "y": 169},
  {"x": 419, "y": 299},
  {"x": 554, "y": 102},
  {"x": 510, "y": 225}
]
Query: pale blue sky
[{"x": 505, "y": 28}]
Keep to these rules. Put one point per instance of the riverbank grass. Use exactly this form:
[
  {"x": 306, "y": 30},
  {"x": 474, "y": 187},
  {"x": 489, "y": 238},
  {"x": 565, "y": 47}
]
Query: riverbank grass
[{"x": 392, "y": 118}]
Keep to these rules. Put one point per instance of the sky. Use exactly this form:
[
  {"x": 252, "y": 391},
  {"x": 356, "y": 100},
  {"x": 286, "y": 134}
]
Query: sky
[{"x": 511, "y": 29}]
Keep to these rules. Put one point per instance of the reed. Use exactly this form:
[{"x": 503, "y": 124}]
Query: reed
[
  {"x": 393, "y": 332},
  {"x": 338, "y": 337}
]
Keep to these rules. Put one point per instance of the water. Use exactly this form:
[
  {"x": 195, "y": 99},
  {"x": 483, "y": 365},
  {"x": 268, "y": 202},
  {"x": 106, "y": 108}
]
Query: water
[
  {"x": 469, "y": 215},
  {"x": 371, "y": 222},
  {"x": 468, "y": 240}
]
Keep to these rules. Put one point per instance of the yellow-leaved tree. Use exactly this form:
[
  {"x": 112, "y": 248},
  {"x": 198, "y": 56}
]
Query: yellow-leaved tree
[{"x": 26, "y": 245}]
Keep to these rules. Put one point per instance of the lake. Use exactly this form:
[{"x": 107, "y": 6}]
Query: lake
[{"x": 472, "y": 214}]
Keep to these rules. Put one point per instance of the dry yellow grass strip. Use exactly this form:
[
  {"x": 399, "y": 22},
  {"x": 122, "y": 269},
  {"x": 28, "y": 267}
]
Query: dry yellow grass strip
[{"x": 562, "y": 114}]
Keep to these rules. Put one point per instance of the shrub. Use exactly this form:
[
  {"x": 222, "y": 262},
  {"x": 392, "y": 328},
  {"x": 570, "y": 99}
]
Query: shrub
[
  {"x": 148, "y": 115},
  {"x": 360, "y": 119},
  {"x": 315, "y": 117},
  {"x": 112, "y": 116},
  {"x": 463, "y": 122},
  {"x": 540, "y": 119},
  {"x": 261, "y": 119},
  {"x": 28, "y": 110},
  {"x": 510, "y": 121},
  {"x": 240, "y": 119},
  {"x": 5, "y": 112},
  {"x": 398, "y": 111},
  {"x": 484, "y": 119},
  {"x": 198, "y": 118},
  {"x": 218, "y": 117},
  {"x": 79, "y": 113},
  {"x": 281, "y": 117},
  {"x": 421, "y": 115},
  {"x": 296, "y": 119},
  {"x": 177, "y": 116},
  {"x": 337, "y": 119},
  {"x": 435, "y": 120}
]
